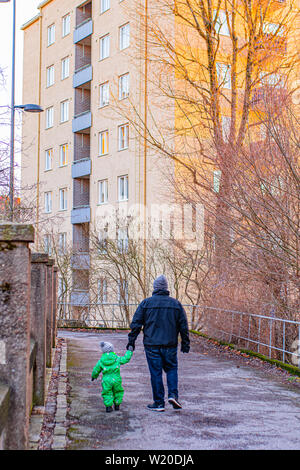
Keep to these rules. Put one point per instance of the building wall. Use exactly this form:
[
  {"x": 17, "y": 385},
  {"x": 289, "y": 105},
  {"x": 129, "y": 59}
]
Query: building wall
[{"x": 37, "y": 139}]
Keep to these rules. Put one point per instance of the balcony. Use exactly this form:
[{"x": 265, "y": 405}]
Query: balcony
[
  {"x": 270, "y": 44},
  {"x": 269, "y": 97},
  {"x": 82, "y": 76},
  {"x": 80, "y": 261},
  {"x": 81, "y": 168},
  {"x": 82, "y": 101},
  {"x": 81, "y": 215},
  {"x": 82, "y": 122},
  {"x": 80, "y": 298},
  {"x": 83, "y": 31}
]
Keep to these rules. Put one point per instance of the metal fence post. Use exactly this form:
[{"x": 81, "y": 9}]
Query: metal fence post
[
  {"x": 258, "y": 342},
  {"x": 270, "y": 338},
  {"x": 283, "y": 341}
]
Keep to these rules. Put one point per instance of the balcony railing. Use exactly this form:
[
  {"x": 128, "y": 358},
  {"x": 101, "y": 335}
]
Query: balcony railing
[
  {"x": 83, "y": 30},
  {"x": 82, "y": 76},
  {"x": 82, "y": 121},
  {"x": 81, "y": 215},
  {"x": 269, "y": 97},
  {"x": 80, "y": 298},
  {"x": 270, "y": 43},
  {"x": 80, "y": 261},
  {"x": 81, "y": 168}
]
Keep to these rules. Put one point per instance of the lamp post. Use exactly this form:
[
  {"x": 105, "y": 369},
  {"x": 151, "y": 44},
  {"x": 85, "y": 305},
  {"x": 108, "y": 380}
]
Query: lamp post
[{"x": 31, "y": 108}]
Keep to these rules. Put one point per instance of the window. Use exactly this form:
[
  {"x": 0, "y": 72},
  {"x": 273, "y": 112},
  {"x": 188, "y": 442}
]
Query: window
[
  {"x": 63, "y": 204},
  {"x": 103, "y": 191},
  {"x": 104, "y": 5},
  {"x": 216, "y": 180},
  {"x": 49, "y": 117},
  {"x": 62, "y": 242},
  {"x": 104, "y": 47},
  {"x": 66, "y": 21},
  {"x": 65, "y": 68},
  {"x": 104, "y": 94},
  {"x": 123, "y": 86},
  {"x": 48, "y": 159},
  {"x": 123, "y": 188},
  {"x": 226, "y": 121},
  {"x": 103, "y": 143},
  {"x": 273, "y": 79},
  {"x": 102, "y": 291},
  {"x": 224, "y": 75},
  {"x": 47, "y": 244},
  {"x": 48, "y": 202},
  {"x": 122, "y": 240},
  {"x": 62, "y": 289},
  {"x": 124, "y": 36},
  {"x": 50, "y": 75},
  {"x": 221, "y": 26},
  {"x": 122, "y": 291},
  {"x": 123, "y": 136},
  {"x": 63, "y": 155},
  {"x": 263, "y": 129},
  {"x": 51, "y": 34},
  {"x": 102, "y": 241},
  {"x": 64, "y": 111},
  {"x": 273, "y": 28}
]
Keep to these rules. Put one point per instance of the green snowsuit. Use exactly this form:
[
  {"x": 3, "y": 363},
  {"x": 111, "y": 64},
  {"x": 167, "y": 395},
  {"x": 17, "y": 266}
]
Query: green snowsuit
[{"x": 109, "y": 364}]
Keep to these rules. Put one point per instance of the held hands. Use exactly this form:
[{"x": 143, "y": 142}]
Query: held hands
[{"x": 130, "y": 347}]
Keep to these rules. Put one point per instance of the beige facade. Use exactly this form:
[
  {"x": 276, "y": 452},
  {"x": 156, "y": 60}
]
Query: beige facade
[{"x": 74, "y": 56}]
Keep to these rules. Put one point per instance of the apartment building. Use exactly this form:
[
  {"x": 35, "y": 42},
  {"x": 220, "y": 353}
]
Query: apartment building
[{"x": 78, "y": 156}]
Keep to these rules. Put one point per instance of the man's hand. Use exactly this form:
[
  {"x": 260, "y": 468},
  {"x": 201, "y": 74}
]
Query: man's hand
[
  {"x": 185, "y": 349},
  {"x": 130, "y": 347}
]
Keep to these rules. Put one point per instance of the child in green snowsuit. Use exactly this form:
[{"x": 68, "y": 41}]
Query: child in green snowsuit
[{"x": 109, "y": 364}]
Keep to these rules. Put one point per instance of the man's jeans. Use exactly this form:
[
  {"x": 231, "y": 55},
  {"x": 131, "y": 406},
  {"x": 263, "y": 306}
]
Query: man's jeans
[{"x": 160, "y": 359}]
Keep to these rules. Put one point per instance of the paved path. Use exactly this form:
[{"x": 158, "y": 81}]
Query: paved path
[{"x": 225, "y": 407}]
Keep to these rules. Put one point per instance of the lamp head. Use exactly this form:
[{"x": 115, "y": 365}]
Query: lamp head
[{"x": 30, "y": 108}]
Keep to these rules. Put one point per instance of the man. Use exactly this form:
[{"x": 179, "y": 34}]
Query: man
[{"x": 162, "y": 319}]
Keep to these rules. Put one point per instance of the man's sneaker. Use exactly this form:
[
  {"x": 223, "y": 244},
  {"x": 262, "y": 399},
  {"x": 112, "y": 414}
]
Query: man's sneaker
[
  {"x": 117, "y": 407},
  {"x": 108, "y": 409},
  {"x": 155, "y": 407},
  {"x": 175, "y": 403}
]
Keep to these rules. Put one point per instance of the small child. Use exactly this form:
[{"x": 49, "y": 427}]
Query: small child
[{"x": 109, "y": 364}]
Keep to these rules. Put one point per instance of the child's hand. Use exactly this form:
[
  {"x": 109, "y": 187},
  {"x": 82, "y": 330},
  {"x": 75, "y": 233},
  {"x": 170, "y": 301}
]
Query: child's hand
[{"x": 93, "y": 378}]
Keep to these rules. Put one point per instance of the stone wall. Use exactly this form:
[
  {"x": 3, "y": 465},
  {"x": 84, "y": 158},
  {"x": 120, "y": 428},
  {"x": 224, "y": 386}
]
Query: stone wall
[{"x": 27, "y": 330}]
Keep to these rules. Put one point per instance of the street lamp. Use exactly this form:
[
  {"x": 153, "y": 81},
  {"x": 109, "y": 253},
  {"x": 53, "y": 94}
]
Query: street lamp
[{"x": 31, "y": 108}]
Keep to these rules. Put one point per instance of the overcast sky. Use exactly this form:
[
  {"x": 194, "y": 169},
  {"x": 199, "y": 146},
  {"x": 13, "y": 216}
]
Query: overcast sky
[{"x": 25, "y": 10}]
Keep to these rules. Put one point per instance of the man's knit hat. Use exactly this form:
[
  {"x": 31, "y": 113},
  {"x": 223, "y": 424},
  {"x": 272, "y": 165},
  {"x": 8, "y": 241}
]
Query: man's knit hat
[
  {"x": 160, "y": 283},
  {"x": 106, "y": 347}
]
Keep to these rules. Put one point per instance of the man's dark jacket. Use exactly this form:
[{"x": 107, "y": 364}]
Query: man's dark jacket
[{"x": 162, "y": 319}]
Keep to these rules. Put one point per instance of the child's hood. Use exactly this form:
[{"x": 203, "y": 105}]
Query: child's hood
[{"x": 108, "y": 359}]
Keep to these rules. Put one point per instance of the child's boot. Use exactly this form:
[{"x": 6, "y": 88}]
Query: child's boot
[
  {"x": 117, "y": 407},
  {"x": 108, "y": 409}
]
